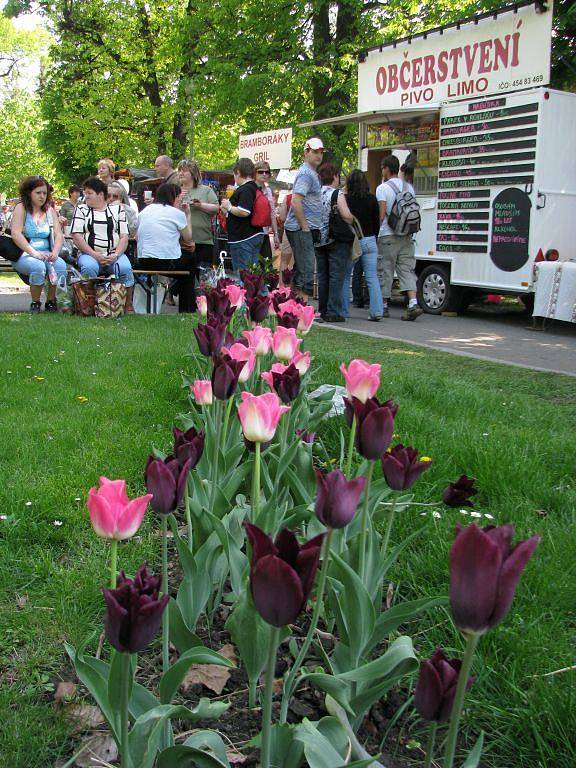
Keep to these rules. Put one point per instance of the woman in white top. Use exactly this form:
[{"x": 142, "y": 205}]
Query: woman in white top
[{"x": 160, "y": 227}]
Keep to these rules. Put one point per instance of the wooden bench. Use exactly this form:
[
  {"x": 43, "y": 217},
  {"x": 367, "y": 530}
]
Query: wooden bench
[
  {"x": 148, "y": 280},
  {"x": 6, "y": 266}
]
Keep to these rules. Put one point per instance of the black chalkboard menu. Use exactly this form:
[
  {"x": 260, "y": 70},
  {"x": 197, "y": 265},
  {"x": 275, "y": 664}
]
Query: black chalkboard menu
[
  {"x": 486, "y": 144},
  {"x": 510, "y": 229}
]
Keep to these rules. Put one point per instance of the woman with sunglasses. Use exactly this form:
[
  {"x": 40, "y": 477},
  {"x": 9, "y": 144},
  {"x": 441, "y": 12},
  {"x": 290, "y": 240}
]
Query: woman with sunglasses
[
  {"x": 35, "y": 229},
  {"x": 117, "y": 195},
  {"x": 263, "y": 174}
]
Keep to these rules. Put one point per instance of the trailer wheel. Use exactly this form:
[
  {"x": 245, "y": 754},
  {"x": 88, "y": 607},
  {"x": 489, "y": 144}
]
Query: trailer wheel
[{"x": 435, "y": 294}]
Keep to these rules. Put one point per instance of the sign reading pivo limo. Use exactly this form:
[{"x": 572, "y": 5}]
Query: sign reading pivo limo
[{"x": 494, "y": 55}]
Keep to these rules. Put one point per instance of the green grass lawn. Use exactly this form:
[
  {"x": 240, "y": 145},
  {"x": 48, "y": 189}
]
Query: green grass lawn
[{"x": 512, "y": 429}]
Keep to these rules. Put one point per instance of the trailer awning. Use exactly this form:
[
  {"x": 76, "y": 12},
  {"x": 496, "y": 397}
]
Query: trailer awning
[{"x": 374, "y": 116}]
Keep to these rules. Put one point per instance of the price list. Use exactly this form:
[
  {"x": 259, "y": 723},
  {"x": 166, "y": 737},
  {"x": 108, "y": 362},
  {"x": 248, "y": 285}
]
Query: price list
[{"x": 490, "y": 144}]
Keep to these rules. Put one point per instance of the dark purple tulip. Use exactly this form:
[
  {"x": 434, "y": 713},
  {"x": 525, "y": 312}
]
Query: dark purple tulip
[
  {"x": 225, "y": 373},
  {"x": 374, "y": 432},
  {"x": 281, "y": 574},
  {"x": 258, "y": 308},
  {"x": 210, "y": 337},
  {"x": 252, "y": 283},
  {"x": 217, "y": 301},
  {"x": 287, "y": 275},
  {"x": 401, "y": 467},
  {"x": 188, "y": 445},
  {"x": 484, "y": 572},
  {"x": 223, "y": 282},
  {"x": 337, "y": 498},
  {"x": 214, "y": 318},
  {"x": 459, "y": 493},
  {"x": 288, "y": 320},
  {"x": 306, "y": 437},
  {"x": 436, "y": 687},
  {"x": 287, "y": 384},
  {"x": 354, "y": 407},
  {"x": 272, "y": 280},
  {"x": 166, "y": 481},
  {"x": 134, "y": 611}
]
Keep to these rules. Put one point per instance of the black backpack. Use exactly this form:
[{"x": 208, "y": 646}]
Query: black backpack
[{"x": 338, "y": 229}]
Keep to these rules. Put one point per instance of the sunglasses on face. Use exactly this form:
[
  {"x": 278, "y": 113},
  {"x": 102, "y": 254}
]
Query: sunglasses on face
[
  {"x": 266, "y": 173},
  {"x": 113, "y": 197}
]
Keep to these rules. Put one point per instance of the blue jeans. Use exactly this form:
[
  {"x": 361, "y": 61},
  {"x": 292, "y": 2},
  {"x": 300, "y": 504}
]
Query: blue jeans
[
  {"x": 35, "y": 269},
  {"x": 370, "y": 265},
  {"x": 333, "y": 264},
  {"x": 302, "y": 246},
  {"x": 89, "y": 267},
  {"x": 245, "y": 253},
  {"x": 346, "y": 288}
]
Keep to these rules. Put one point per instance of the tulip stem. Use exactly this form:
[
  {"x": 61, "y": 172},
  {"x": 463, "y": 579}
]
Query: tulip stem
[
  {"x": 188, "y": 515},
  {"x": 364, "y": 522},
  {"x": 471, "y": 643},
  {"x": 256, "y": 484},
  {"x": 214, "y": 474},
  {"x": 387, "y": 532},
  {"x": 113, "y": 562},
  {"x": 258, "y": 382},
  {"x": 289, "y": 682},
  {"x": 224, "y": 434},
  {"x": 430, "y": 746},
  {"x": 268, "y": 695},
  {"x": 351, "y": 447},
  {"x": 126, "y": 671},
  {"x": 166, "y": 614}
]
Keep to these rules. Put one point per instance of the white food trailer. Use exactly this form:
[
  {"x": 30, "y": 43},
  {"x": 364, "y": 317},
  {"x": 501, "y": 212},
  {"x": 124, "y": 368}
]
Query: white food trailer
[{"x": 495, "y": 149}]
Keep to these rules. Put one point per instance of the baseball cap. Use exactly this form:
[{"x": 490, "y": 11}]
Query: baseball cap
[{"x": 314, "y": 143}]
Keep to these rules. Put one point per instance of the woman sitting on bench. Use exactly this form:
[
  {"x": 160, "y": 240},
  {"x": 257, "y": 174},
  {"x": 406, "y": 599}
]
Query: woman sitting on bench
[
  {"x": 160, "y": 227},
  {"x": 100, "y": 232},
  {"x": 36, "y": 232}
]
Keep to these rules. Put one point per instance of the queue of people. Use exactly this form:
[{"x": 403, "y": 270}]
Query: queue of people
[{"x": 321, "y": 219}]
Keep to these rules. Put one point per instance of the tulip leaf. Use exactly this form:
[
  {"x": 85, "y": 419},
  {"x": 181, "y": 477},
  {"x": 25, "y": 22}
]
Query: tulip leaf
[
  {"x": 182, "y": 637},
  {"x": 334, "y": 686},
  {"x": 355, "y": 606},
  {"x": 398, "y": 659},
  {"x": 473, "y": 759},
  {"x": 232, "y": 482},
  {"x": 390, "y": 620},
  {"x": 96, "y": 682},
  {"x": 204, "y": 749},
  {"x": 323, "y": 750},
  {"x": 251, "y": 636},
  {"x": 115, "y": 681},
  {"x": 209, "y": 741},
  {"x": 285, "y": 750},
  {"x": 171, "y": 679},
  {"x": 237, "y": 560},
  {"x": 287, "y": 459},
  {"x": 147, "y": 732}
]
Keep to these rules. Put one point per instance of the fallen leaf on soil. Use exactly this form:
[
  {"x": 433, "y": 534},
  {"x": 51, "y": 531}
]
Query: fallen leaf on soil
[
  {"x": 211, "y": 676},
  {"x": 235, "y": 757},
  {"x": 389, "y": 596},
  {"x": 65, "y": 692},
  {"x": 100, "y": 750},
  {"x": 278, "y": 686},
  {"x": 85, "y": 716},
  {"x": 21, "y": 600}
]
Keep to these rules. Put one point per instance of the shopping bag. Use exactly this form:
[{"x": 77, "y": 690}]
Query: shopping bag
[
  {"x": 84, "y": 297},
  {"x": 110, "y": 298},
  {"x": 140, "y": 299}
]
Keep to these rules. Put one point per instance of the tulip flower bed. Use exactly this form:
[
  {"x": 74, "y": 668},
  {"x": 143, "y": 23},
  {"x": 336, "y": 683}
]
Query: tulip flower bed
[{"x": 286, "y": 545}]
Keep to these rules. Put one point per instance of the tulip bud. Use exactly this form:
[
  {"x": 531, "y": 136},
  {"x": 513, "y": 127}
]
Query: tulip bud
[
  {"x": 258, "y": 308},
  {"x": 401, "y": 467},
  {"x": 259, "y": 340},
  {"x": 288, "y": 320},
  {"x": 302, "y": 362},
  {"x": 202, "y": 391},
  {"x": 484, "y": 572},
  {"x": 253, "y": 283},
  {"x": 362, "y": 379},
  {"x": 210, "y": 337},
  {"x": 286, "y": 384},
  {"x": 337, "y": 498},
  {"x": 218, "y": 302},
  {"x": 459, "y": 493},
  {"x": 166, "y": 481},
  {"x": 236, "y": 295},
  {"x": 225, "y": 374},
  {"x": 112, "y": 513},
  {"x": 189, "y": 444},
  {"x": 281, "y": 574},
  {"x": 244, "y": 354},
  {"x": 374, "y": 433},
  {"x": 285, "y": 343},
  {"x": 259, "y": 416},
  {"x": 134, "y": 611},
  {"x": 202, "y": 305},
  {"x": 436, "y": 687}
]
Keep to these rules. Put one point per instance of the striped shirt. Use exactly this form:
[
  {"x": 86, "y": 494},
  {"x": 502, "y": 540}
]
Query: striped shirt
[{"x": 101, "y": 229}]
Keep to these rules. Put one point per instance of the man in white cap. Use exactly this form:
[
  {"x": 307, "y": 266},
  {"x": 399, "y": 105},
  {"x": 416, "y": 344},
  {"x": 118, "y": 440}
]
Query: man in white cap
[{"x": 304, "y": 219}]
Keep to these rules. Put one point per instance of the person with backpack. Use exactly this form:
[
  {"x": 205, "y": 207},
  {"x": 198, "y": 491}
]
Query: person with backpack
[
  {"x": 245, "y": 209},
  {"x": 400, "y": 220},
  {"x": 263, "y": 174}
]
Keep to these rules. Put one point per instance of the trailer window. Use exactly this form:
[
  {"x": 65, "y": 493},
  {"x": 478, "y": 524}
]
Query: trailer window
[{"x": 426, "y": 171}]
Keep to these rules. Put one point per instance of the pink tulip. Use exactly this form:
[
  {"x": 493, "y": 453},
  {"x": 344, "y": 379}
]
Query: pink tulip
[
  {"x": 285, "y": 343},
  {"x": 259, "y": 416},
  {"x": 302, "y": 361},
  {"x": 259, "y": 340},
  {"x": 202, "y": 391},
  {"x": 289, "y": 306},
  {"x": 236, "y": 294},
  {"x": 276, "y": 368},
  {"x": 202, "y": 306},
  {"x": 113, "y": 514},
  {"x": 362, "y": 379},
  {"x": 303, "y": 312},
  {"x": 241, "y": 353}
]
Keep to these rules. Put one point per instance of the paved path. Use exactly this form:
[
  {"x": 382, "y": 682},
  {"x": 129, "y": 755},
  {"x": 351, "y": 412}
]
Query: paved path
[{"x": 491, "y": 333}]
